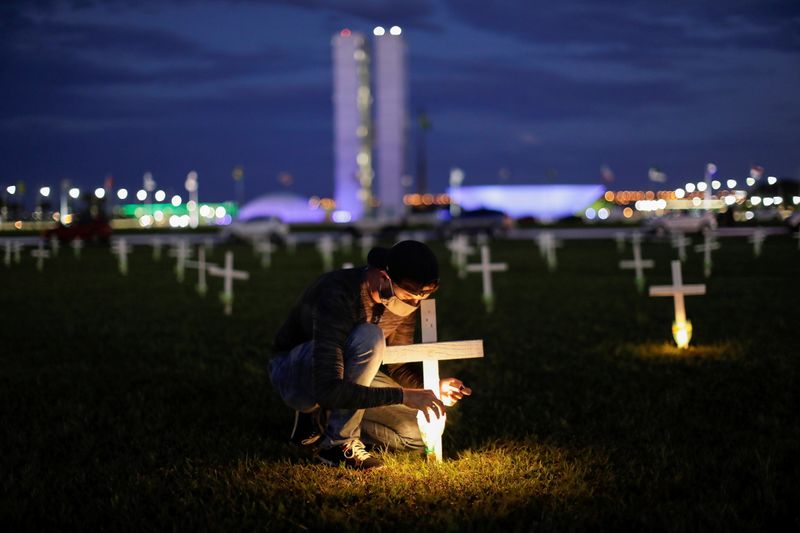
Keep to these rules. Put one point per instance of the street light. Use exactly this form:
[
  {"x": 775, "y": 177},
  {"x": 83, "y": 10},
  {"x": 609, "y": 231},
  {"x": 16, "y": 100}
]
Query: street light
[
  {"x": 122, "y": 194},
  {"x": 100, "y": 192},
  {"x": 45, "y": 191},
  {"x": 74, "y": 193}
]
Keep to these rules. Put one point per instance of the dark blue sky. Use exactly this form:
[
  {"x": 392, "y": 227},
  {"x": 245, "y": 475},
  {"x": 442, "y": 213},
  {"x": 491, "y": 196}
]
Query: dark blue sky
[{"x": 519, "y": 91}]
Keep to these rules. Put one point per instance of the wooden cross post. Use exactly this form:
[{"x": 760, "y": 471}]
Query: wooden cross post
[
  {"x": 18, "y": 246},
  {"x": 181, "y": 252},
  {"x": 638, "y": 264},
  {"x": 460, "y": 251},
  {"x": 265, "y": 248},
  {"x": 40, "y": 254},
  {"x": 620, "y": 238},
  {"x": 326, "y": 247},
  {"x": 681, "y": 241},
  {"x": 156, "y": 244},
  {"x": 430, "y": 352},
  {"x": 486, "y": 267},
  {"x": 54, "y": 245},
  {"x": 7, "y": 256},
  {"x": 757, "y": 238},
  {"x": 228, "y": 274},
  {"x": 77, "y": 246},
  {"x": 120, "y": 249},
  {"x": 208, "y": 244},
  {"x": 201, "y": 267},
  {"x": 547, "y": 249},
  {"x": 708, "y": 245},
  {"x": 681, "y": 328}
]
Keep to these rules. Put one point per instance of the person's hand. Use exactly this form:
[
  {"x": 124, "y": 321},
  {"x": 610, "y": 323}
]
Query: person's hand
[
  {"x": 451, "y": 390},
  {"x": 423, "y": 400}
]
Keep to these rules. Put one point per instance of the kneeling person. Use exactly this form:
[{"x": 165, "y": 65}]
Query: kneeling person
[{"x": 328, "y": 354}]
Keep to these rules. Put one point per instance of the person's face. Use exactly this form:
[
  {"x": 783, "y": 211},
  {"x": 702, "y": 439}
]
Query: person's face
[{"x": 389, "y": 289}]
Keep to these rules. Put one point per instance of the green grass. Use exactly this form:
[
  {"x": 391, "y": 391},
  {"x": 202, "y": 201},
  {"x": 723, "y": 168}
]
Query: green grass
[{"x": 132, "y": 403}]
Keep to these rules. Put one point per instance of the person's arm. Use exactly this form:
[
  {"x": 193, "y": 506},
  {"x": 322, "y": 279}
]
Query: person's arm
[{"x": 333, "y": 318}]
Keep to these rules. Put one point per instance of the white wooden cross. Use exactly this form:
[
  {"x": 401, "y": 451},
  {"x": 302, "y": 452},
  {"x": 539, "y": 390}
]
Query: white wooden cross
[
  {"x": 326, "y": 247},
  {"x": 156, "y": 244},
  {"x": 346, "y": 242},
  {"x": 430, "y": 352},
  {"x": 757, "y": 238},
  {"x": 265, "y": 248},
  {"x": 486, "y": 267},
  {"x": 709, "y": 244},
  {"x": 201, "y": 267},
  {"x": 77, "y": 246},
  {"x": 638, "y": 264},
  {"x": 681, "y": 329},
  {"x": 7, "y": 256},
  {"x": 120, "y": 249},
  {"x": 228, "y": 274},
  {"x": 620, "y": 238},
  {"x": 18, "y": 246},
  {"x": 547, "y": 249},
  {"x": 181, "y": 252},
  {"x": 460, "y": 251},
  {"x": 208, "y": 244},
  {"x": 681, "y": 241},
  {"x": 40, "y": 254},
  {"x": 54, "y": 245}
]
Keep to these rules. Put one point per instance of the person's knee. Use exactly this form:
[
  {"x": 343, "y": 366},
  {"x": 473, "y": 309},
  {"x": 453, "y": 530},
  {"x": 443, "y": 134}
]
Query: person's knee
[{"x": 366, "y": 344}]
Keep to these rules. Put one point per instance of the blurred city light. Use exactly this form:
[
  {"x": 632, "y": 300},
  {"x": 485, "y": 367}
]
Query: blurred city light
[
  {"x": 395, "y": 30},
  {"x": 122, "y": 194},
  {"x": 74, "y": 193},
  {"x": 716, "y": 184},
  {"x": 45, "y": 191},
  {"x": 689, "y": 187},
  {"x": 772, "y": 180},
  {"x": 176, "y": 200},
  {"x": 160, "y": 195},
  {"x": 100, "y": 192},
  {"x": 141, "y": 195},
  {"x": 731, "y": 183},
  {"x": 378, "y": 31},
  {"x": 11, "y": 189}
]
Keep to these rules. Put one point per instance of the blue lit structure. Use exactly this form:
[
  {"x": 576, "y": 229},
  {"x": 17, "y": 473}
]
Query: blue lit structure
[
  {"x": 289, "y": 208},
  {"x": 543, "y": 202}
]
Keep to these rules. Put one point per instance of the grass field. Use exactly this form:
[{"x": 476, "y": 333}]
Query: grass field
[{"x": 130, "y": 403}]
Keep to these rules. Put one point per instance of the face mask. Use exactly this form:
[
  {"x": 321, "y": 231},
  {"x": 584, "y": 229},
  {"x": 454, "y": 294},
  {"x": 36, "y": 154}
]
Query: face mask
[{"x": 394, "y": 304}]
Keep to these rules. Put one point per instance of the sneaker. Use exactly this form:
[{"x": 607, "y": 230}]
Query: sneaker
[
  {"x": 306, "y": 430},
  {"x": 352, "y": 454}
]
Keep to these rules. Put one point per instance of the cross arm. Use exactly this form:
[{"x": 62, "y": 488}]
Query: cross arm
[
  {"x": 688, "y": 290},
  {"x": 433, "y": 351}
]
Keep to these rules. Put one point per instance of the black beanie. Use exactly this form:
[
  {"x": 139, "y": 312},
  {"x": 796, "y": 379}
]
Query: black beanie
[{"x": 409, "y": 261}]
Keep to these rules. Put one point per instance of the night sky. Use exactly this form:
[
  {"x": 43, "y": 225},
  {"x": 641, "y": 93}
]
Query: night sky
[{"x": 519, "y": 91}]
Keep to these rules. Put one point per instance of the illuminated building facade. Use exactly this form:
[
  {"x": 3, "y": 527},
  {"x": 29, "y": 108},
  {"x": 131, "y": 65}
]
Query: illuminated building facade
[
  {"x": 352, "y": 102},
  {"x": 391, "y": 117}
]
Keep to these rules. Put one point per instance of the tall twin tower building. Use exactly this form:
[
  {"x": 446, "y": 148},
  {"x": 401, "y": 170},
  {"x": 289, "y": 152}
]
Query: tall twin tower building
[{"x": 369, "y": 147}]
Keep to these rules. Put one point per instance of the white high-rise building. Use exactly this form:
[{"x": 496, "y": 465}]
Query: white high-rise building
[
  {"x": 391, "y": 118},
  {"x": 352, "y": 103}
]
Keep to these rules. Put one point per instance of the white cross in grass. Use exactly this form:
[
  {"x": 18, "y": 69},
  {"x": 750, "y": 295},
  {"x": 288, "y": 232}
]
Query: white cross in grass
[
  {"x": 7, "y": 256},
  {"x": 486, "y": 267},
  {"x": 757, "y": 238},
  {"x": 430, "y": 352},
  {"x": 681, "y": 327},
  {"x": 228, "y": 274},
  {"x": 326, "y": 247},
  {"x": 181, "y": 252},
  {"x": 709, "y": 244},
  {"x": 460, "y": 250},
  {"x": 121, "y": 250},
  {"x": 40, "y": 254},
  {"x": 201, "y": 267},
  {"x": 18, "y": 246},
  {"x": 547, "y": 248},
  {"x": 265, "y": 248},
  {"x": 156, "y": 244},
  {"x": 620, "y": 238},
  {"x": 54, "y": 245},
  {"x": 638, "y": 264},
  {"x": 77, "y": 246},
  {"x": 681, "y": 241}
]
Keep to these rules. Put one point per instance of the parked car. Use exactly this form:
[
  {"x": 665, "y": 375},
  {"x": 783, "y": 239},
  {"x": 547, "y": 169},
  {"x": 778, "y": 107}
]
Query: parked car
[
  {"x": 255, "y": 229},
  {"x": 87, "y": 229},
  {"x": 692, "y": 221}
]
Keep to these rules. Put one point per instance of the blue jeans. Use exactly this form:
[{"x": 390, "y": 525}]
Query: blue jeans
[{"x": 392, "y": 426}]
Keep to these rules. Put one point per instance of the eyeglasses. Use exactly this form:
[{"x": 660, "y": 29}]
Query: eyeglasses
[{"x": 418, "y": 295}]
